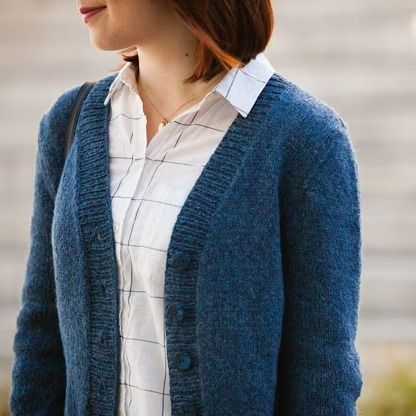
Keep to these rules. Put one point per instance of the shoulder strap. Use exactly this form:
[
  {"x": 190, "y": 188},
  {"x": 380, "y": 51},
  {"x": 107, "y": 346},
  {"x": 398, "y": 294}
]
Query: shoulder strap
[{"x": 76, "y": 109}]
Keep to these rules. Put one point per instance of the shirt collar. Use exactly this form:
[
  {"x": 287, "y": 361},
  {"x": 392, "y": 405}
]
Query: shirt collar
[{"x": 240, "y": 86}]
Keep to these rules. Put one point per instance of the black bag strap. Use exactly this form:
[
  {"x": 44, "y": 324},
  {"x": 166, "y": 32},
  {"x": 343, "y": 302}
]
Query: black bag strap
[{"x": 75, "y": 111}]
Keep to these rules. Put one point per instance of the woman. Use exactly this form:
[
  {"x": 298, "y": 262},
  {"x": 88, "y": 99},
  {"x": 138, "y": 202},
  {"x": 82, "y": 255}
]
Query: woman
[{"x": 200, "y": 254}]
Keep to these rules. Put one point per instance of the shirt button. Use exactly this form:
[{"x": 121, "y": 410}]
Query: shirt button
[
  {"x": 175, "y": 312},
  {"x": 180, "y": 260},
  {"x": 183, "y": 360},
  {"x": 116, "y": 227}
]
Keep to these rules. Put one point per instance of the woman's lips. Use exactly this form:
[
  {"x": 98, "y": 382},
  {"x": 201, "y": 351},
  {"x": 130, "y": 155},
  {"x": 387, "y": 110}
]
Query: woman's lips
[{"x": 88, "y": 12}]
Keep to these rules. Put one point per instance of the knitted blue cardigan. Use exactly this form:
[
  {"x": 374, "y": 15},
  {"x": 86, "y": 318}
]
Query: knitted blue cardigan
[{"x": 263, "y": 266}]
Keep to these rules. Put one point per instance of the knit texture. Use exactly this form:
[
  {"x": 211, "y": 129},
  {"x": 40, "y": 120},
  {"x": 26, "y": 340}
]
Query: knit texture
[{"x": 265, "y": 256}]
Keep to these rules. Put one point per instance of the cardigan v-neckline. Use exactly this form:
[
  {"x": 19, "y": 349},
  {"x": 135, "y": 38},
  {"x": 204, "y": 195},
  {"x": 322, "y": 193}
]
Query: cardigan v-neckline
[{"x": 188, "y": 234}]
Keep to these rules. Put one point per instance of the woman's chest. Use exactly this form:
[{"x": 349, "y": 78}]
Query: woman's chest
[
  {"x": 149, "y": 184},
  {"x": 202, "y": 193}
]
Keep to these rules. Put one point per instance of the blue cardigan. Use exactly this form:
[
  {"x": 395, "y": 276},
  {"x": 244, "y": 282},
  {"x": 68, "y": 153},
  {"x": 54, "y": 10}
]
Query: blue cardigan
[{"x": 263, "y": 266}]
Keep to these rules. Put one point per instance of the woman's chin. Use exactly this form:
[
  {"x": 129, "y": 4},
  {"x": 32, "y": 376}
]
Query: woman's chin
[{"x": 100, "y": 40}]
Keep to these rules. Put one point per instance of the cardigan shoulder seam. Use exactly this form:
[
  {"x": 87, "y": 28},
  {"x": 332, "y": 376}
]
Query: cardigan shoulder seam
[{"x": 313, "y": 132}]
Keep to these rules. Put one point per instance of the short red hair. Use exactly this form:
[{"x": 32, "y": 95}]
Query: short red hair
[{"x": 230, "y": 32}]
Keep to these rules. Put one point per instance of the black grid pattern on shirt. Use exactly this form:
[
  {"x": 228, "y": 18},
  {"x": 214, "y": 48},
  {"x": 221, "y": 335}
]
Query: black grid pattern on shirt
[{"x": 128, "y": 384}]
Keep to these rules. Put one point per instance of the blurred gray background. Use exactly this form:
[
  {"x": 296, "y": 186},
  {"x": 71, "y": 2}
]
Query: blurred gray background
[{"x": 359, "y": 56}]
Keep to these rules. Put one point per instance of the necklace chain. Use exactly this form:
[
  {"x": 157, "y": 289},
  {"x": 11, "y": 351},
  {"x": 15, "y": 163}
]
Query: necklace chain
[{"x": 165, "y": 120}]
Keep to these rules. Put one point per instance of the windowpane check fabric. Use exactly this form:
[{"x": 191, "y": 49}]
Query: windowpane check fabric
[
  {"x": 149, "y": 185},
  {"x": 262, "y": 271}
]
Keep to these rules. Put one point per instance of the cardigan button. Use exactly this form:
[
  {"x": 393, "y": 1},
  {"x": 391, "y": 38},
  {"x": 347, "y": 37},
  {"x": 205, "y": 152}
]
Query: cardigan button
[
  {"x": 104, "y": 286},
  {"x": 180, "y": 260},
  {"x": 175, "y": 312},
  {"x": 98, "y": 235},
  {"x": 183, "y": 360},
  {"x": 187, "y": 410},
  {"x": 104, "y": 339}
]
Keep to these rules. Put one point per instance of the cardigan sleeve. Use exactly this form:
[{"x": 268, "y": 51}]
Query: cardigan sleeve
[
  {"x": 318, "y": 368},
  {"x": 38, "y": 372}
]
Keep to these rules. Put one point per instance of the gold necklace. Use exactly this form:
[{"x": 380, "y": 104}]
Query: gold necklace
[{"x": 165, "y": 120}]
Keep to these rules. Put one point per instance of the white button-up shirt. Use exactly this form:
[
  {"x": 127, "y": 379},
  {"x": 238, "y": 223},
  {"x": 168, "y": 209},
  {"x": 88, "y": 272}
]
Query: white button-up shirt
[{"x": 149, "y": 184}]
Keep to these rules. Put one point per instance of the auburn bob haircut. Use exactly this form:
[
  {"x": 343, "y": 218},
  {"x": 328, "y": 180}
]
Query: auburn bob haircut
[{"x": 229, "y": 33}]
